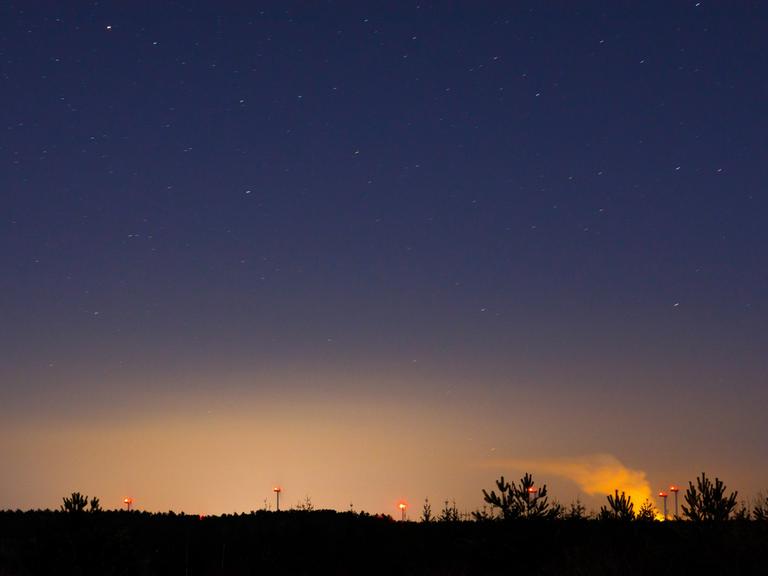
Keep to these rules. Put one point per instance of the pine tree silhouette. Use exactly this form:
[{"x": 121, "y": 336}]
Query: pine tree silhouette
[
  {"x": 646, "y": 512},
  {"x": 426, "y": 511},
  {"x": 523, "y": 500},
  {"x": 75, "y": 503},
  {"x": 707, "y": 501},
  {"x": 760, "y": 510},
  {"x": 620, "y": 507}
]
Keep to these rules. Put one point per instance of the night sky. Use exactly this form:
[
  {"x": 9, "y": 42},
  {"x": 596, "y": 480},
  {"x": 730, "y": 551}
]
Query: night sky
[{"x": 373, "y": 251}]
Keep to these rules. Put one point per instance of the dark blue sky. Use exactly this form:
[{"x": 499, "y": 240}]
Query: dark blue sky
[{"x": 473, "y": 201}]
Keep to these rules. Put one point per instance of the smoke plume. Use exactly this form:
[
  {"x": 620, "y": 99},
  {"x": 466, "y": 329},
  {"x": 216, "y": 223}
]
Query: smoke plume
[{"x": 595, "y": 474}]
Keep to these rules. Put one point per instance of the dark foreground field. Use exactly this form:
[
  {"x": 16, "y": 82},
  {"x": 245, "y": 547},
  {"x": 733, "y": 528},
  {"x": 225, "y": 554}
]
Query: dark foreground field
[{"x": 343, "y": 543}]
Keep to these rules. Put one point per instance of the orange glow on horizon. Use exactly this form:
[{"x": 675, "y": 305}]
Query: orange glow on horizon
[
  {"x": 325, "y": 464},
  {"x": 595, "y": 474}
]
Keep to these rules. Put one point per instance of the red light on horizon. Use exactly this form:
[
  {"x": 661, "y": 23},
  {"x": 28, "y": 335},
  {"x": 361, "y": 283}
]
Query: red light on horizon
[
  {"x": 674, "y": 488},
  {"x": 663, "y": 494},
  {"x": 532, "y": 490},
  {"x": 402, "y": 505},
  {"x": 277, "y": 489}
]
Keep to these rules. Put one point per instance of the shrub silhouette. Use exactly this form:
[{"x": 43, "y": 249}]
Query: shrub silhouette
[
  {"x": 707, "y": 501},
  {"x": 522, "y": 501},
  {"x": 620, "y": 507}
]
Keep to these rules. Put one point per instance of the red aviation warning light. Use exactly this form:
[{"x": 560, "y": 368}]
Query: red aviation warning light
[
  {"x": 675, "y": 489},
  {"x": 664, "y": 495}
]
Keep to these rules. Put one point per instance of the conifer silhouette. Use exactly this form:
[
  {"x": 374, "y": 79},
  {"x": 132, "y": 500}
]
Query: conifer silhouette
[
  {"x": 646, "y": 512},
  {"x": 75, "y": 503},
  {"x": 523, "y": 500},
  {"x": 620, "y": 507},
  {"x": 760, "y": 510},
  {"x": 707, "y": 501},
  {"x": 426, "y": 511}
]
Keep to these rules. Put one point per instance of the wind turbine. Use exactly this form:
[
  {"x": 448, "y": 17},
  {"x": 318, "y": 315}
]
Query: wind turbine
[{"x": 675, "y": 489}]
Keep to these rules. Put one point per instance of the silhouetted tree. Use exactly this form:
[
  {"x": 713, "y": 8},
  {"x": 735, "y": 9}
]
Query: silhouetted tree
[
  {"x": 576, "y": 511},
  {"x": 95, "y": 506},
  {"x": 75, "y": 503},
  {"x": 620, "y": 507},
  {"x": 647, "y": 512},
  {"x": 426, "y": 511},
  {"x": 305, "y": 506},
  {"x": 707, "y": 501},
  {"x": 760, "y": 510},
  {"x": 742, "y": 512},
  {"x": 556, "y": 510},
  {"x": 523, "y": 500},
  {"x": 449, "y": 513},
  {"x": 483, "y": 515},
  {"x": 502, "y": 500}
]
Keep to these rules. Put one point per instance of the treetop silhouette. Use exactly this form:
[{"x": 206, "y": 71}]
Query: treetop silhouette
[
  {"x": 522, "y": 500},
  {"x": 76, "y": 503},
  {"x": 707, "y": 501},
  {"x": 620, "y": 507}
]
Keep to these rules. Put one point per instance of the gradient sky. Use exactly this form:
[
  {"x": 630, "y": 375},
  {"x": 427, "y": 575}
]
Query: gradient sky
[{"x": 373, "y": 251}]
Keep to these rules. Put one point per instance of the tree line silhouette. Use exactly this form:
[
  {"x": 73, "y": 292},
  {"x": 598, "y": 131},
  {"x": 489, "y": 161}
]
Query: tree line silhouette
[
  {"x": 520, "y": 529},
  {"x": 706, "y": 501}
]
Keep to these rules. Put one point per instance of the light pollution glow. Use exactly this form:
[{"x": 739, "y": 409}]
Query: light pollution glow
[{"x": 227, "y": 460}]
